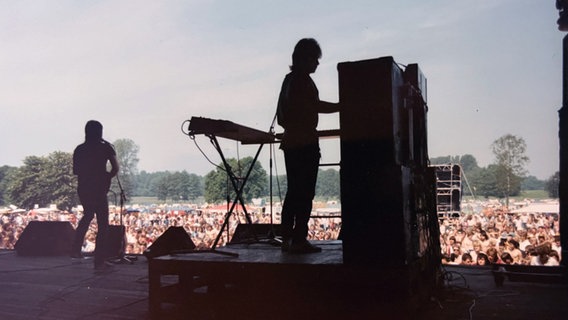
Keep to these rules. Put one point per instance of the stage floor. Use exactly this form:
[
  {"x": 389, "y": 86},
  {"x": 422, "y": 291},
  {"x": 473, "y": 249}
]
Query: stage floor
[
  {"x": 59, "y": 288},
  {"x": 56, "y": 288}
]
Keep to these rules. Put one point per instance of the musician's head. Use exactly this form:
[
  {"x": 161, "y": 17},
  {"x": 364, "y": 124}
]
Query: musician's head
[
  {"x": 93, "y": 131},
  {"x": 306, "y": 54}
]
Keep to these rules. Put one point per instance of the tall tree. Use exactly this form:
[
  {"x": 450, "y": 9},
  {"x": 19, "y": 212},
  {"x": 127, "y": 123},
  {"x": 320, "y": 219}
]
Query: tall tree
[
  {"x": 533, "y": 183},
  {"x": 178, "y": 185},
  {"x": 468, "y": 163},
  {"x": 444, "y": 160},
  {"x": 510, "y": 157},
  {"x": 43, "y": 181},
  {"x": 484, "y": 182},
  {"x": 127, "y": 156},
  {"x": 195, "y": 186},
  {"x": 155, "y": 184},
  {"x": 163, "y": 186},
  {"x": 26, "y": 188},
  {"x": 279, "y": 187},
  {"x": 62, "y": 183},
  {"x": 180, "y": 182},
  {"x": 328, "y": 183},
  {"x": 552, "y": 185},
  {"x": 5, "y": 172},
  {"x": 143, "y": 184},
  {"x": 217, "y": 187}
]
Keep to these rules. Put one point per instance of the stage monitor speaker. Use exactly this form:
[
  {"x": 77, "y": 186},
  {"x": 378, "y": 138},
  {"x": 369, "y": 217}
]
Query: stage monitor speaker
[
  {"x": 116, "y": 241},
  {"x": 245, "y": 232},
  {"x": 46, "y": 238},
  {"x": 175, "y": 238}
]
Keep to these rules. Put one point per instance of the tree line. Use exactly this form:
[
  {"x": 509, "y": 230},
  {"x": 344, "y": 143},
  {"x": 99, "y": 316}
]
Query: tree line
[
  {"x": 42, "y": 181},
  {"x": 506, "y": 176},
  {"x": 49, "y": 180}
]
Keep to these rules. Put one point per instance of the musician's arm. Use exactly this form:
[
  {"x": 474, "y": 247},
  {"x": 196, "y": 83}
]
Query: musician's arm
[
  {"x": 328, "y": 107},
  {"x": 114, "y": 166}
]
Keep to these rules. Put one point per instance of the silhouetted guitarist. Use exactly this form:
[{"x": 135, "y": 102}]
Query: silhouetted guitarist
[{"x": 90, "y": 160}]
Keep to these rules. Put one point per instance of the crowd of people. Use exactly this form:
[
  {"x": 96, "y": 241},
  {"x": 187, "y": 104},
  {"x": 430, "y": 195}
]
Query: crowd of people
[
  {"x": 493, "y": 235},
  {"x": 497, "y": 235},
  {"x": 143, "y": 226}
]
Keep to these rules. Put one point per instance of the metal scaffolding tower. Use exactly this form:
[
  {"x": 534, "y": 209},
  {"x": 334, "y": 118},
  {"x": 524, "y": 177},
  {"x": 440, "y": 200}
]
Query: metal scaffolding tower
[{"x": 448, "y": 190}]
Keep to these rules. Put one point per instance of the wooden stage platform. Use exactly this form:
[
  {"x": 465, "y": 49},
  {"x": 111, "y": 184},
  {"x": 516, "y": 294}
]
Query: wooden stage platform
[
  {"x": 262, "y": 283},
  {"x": 258, "y": 279}
]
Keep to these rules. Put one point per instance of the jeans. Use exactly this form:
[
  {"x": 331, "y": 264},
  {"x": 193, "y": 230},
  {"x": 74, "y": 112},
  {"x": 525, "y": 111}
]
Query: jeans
[
  {"x": 302, "y": 165},
  {"x": 98, "y": 206}
]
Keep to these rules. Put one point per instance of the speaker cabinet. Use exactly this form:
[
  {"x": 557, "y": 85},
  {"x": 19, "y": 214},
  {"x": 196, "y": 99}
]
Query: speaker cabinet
[
  {"x": 46, "y": 238},
  {"x": 383, "y": 154},
  {"x": 175, "y": 238},
  {"x": 116, "y": 241},
  {"x": 246, "y": 232}
]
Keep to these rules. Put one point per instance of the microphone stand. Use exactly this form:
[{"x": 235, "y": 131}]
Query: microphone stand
[
  {"x": 122, "y": 258},
  {"x": 272, "y": 233}
]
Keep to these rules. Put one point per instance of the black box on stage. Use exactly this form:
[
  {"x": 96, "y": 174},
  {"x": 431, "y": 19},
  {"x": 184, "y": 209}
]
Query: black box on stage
[
  {"x": 383, "y": 161},
  {"x": 46, "y": 238},
  {"x": 250, "y": 232},
  {"x": 174, "y": 238},
  {"x": 116, "y": 241}
]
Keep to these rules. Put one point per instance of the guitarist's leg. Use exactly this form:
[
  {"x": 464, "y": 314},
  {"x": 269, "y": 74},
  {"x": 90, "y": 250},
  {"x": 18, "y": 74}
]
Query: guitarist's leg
[
  {"x": 82, "y": 227},
  {"x": 101, "y": 247}
]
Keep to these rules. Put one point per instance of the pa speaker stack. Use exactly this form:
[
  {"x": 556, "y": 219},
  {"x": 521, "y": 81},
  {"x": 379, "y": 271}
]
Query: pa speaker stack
[{"x": 173, "y": 239}]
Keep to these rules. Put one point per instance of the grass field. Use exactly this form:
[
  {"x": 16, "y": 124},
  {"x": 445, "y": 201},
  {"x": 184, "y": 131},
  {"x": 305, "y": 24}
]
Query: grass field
[
  {"x": 154, "y": 200},
  {"x": 527, "y": 194},
  {"x": 147, "y": 200},
  {"x": 533, "y": 194}
]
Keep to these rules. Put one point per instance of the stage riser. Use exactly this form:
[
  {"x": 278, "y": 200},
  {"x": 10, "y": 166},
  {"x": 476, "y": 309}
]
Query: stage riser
[
  {"x": 287, "y": 289},
  {"x": 278, "y": 281}
]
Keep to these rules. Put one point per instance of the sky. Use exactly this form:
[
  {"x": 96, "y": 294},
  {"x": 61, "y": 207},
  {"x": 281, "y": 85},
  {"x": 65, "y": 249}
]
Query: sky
[{"x": 142, "y": 68}]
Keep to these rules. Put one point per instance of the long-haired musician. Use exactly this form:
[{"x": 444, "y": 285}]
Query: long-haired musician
[
  {"x": 298, "y": 109},
  {"x": 90, "y": 161}
]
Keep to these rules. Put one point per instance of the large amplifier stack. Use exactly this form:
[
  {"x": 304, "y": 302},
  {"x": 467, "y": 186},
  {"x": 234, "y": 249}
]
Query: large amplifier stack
[{"x": 388, "y": 191}]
